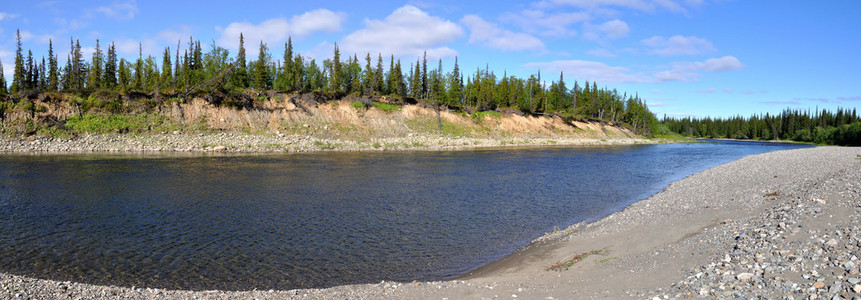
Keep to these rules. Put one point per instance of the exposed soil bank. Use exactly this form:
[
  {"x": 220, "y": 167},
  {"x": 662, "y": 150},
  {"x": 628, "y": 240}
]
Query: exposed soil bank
[{"x": 778, "y": 224}]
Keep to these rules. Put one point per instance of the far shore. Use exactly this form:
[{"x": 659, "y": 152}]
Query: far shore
[
  {"x": 775, "y": 225},
  {"x": 226, "y": 142}
]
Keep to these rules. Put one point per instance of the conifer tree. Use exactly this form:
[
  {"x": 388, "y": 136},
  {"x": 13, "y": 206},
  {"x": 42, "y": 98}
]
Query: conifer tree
[
  {"x": 94, "y": 77},
  {"x": 53, "y": 74},
  {"x": 288, "y": 72},
  {"x": 30, "y": 77},
  {"x": 335, "y": 81},
  {"x": 123, "y": 75},
  {"x": 379, "y": 84},
  {"x": 166, "y": 80},
  {"x": 43, "y": 78},
  {"x": 109, "y": 76},
  {"x": 262, "y": 80},
  {"x": 78, "y": 68},
  {"x": 19, "y": 77},
  {"x": 368, "y": 79},
  {"x": 416, "y": 81},
  {"x": 240, "y": 79},
  {"x": 3, "y": 90},
  {"x": 455, "y": 85},
  {"x": 139, "y": 69},
  {"x": 424, "y": 78}
]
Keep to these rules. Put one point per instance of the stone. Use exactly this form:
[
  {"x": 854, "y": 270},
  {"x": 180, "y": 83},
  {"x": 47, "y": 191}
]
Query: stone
[
  {"x": 857, "y": 288},
  {"x": 219, "y": 148},
  {"x": 819, "y": 285},
  {"x": 831, "y": 243},
  {"x": 853, "y": 280},
  {"x": 744, "y": 276},
  {"x": 849, "y": 265}
]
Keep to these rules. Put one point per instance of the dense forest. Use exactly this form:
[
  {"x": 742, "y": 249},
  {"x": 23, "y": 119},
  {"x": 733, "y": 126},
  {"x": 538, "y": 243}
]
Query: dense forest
[
  {"x": 842, "y": 127},
  {"x": 186, "y": 71}
]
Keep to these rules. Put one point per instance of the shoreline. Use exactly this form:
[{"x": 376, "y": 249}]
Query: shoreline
[
  {"x": 223, "y": 142},
  {"x": 734, "y": 230}
]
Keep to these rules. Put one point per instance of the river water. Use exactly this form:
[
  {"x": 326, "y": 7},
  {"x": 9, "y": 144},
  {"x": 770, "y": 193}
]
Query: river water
[{"x": 242, "y": 222}]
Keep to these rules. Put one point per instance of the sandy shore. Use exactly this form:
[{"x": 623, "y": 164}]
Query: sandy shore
[
  {"x": 780, "y": 225},
  {"x": 278, "y": 142}
]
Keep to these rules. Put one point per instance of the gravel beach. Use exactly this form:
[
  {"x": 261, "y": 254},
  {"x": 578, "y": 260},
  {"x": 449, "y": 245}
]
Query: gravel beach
[{"x": 780, "y": 225}]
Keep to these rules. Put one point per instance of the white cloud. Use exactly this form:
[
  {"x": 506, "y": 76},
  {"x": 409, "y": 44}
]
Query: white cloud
[
  {"x": 119, "y": 10},
  {"x": 490, "y": 35},
  {"x": 6, "y": 16},
  {"x": 539, "y": 22},
  {"x": 727, "y": 90},
  {"x": 611, "y": 29},
  {"x": 276, "y": 31},
  {"x": 707, "y": 91},
  {"x": 408, "y": 31},
  {"x": 678, "y": 45},
  {"x": 592, "y": 71},
  {"x": 726, "y": 63}
]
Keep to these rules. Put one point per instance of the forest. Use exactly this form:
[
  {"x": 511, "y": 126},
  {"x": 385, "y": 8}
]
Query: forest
[
  {"x": 185, "y": 72},
  {"x": 842, "y": 127}
]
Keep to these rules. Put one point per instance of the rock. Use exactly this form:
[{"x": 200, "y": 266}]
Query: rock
[
  {"x": 857, "y": 288},
  {"x": 819, "y": 285},
  {"x": 831, "y": 243},
  {"x": 744, "y": 276},
  {"x": 219, "y": 148},
  {"x": 849, "y": 265}
]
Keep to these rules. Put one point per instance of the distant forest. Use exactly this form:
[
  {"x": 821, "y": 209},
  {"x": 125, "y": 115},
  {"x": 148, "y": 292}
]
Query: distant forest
[
  {"x": 842, "y": 127},
  {"x": 186, "y": 71}
]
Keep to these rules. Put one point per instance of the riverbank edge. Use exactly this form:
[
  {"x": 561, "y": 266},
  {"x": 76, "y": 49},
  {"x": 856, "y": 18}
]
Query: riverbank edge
[
  {"x": 492, "y": 283},
  {"x": 222, "y": 142}
]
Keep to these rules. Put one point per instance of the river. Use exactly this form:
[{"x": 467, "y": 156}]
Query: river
[{"x": 240, "y": 222}]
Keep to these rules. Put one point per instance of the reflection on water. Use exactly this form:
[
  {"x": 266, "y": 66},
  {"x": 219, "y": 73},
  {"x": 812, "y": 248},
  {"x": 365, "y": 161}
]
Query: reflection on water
[{"x": 314, "y": 220}]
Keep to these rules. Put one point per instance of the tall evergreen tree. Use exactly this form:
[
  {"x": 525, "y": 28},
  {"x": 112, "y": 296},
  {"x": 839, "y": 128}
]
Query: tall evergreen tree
[
  {"x": 262, "y": 80},
  {"x": 3, "y": 90},
  {"x": 109, "y": 76},
  {"x": 19, "y": 77},
  {"x": 123, "y": 75},
  {"x": 336, "y": 82},
  {"x": 368, "y": 80},
  {"x": 78, "y": 68},
  {"x": 240, "y": 77},
  {"x": 288, "y": 72},
  {"x": 94, "y": 77},
  {"x": 139, "y": 70},
  {"x": 53, "y": 73},
  {"x": 379, "y": 84},
  {"x": 32, "y": 73},
  {"x": 424, "y": 78},
  {"x": 166, "y": 80},
  {"x": 455, "y": 85}
]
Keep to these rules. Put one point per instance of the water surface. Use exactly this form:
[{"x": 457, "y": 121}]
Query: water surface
[{"x": 314, "y": 220}]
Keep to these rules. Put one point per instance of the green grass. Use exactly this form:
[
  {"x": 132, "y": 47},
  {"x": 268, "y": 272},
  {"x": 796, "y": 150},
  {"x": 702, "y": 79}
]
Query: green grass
[
  {"x": 564, "y": 265},
  {"x": 97, "y": 123},
  {"x": 387, "y": 107},
  {"x": 480, "y": 115},
  {"x": 376, "y": 145},
  {"x": 325, "y": 145},
  {"x": 357, "y": 105}
]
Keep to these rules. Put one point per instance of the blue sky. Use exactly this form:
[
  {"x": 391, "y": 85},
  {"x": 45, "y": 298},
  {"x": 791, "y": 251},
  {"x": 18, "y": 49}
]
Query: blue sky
[{"x": 685, "y": 57}]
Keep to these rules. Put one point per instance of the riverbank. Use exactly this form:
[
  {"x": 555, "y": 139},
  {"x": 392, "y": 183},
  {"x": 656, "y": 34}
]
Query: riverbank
[
  {"x": 778, "y": 224},
  {"x": 278, "y": 142}
]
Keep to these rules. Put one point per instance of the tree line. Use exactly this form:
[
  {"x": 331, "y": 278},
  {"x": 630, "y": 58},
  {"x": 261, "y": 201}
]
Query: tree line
[
  {"x": 840, "y": 127},
  {"x": 188, "y": 70}
]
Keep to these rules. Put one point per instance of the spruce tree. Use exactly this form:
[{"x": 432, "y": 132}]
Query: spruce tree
[
  {"x": 262, "y": 80},
  {"x": 368, "y": 80},
  {"x": 30, "y": 77},
  {"x": 139, "y": 70},
  {"x": 95, "y": 75},
  {"x": 241, "y": 75},
  {"x": 19, "y": 77},
  {"x": 123, "y": 75},
  {"x": 288, "y": 72},
  {"x": 43, "y": 78},
  {"x": 416, "y": 81},
  {"x": 424, "y": 79},
  {"x": 336, "y": 75},
  {"x": 3, "y": 90},
  {"x": 109, "y": 76},
  {"x": 166, "y": 80},
  {"x": 53, "y": 75},
  {"x": 378, "y": 75}
]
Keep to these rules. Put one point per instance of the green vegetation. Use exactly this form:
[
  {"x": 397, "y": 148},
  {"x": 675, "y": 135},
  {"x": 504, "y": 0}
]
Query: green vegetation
[
  {"x": 386, "y": 107},
  {"x": 564, "y": 265},
  {"x": 842, "y": 127},
  {"x": 91, "y": 123},
  {"x": 108, "y": 84},
  {"x": 357, "y": 105}
]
